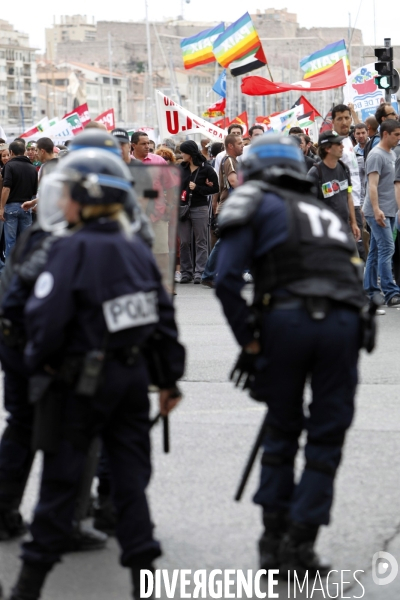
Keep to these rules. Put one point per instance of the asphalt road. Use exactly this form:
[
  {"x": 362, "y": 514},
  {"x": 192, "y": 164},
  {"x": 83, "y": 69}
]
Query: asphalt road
[{"x": 191, "y": 494}]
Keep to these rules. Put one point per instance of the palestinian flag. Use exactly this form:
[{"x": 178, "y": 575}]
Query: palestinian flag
[
  {"x": 306, "y": 120},
  {"x": 239, "y": 47},
  {"x": 251, "y": 62},
  {"x": 309, "y": 126},
  {"x": 327, "y": 122},
  {"x": 308, "y": 107}
]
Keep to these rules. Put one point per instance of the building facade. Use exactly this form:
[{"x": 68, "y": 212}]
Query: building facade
[
  {"x": 71, "y": 28},
  {"x": 18, "y": 82}
]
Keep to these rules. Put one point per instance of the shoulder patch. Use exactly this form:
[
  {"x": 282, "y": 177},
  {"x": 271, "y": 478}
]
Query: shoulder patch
[
  {"x": 239, "y": 208},
  {"x": 44, "y": 285}
]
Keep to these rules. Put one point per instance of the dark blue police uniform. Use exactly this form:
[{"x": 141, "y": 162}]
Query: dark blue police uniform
[
  {"x": 99, "y": 276},
  {"x": 294, "y": 347},
  {"x": 306, "y": 317},
  {"x": 16, "y": 454}
]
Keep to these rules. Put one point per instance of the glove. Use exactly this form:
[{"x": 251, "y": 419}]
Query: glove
[
  {"x": 214, "y": 225},
  {"x": 244, "y": 369}
]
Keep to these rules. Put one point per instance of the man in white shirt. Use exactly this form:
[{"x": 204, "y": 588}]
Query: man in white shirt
[
  {"x": 234, "y": 129},
  {"x": 341, "y": 121}
]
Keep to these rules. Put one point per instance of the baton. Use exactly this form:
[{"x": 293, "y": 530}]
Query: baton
[
  {"x": 251, "y": 459},
  {"x": 165, "y": 421},
  {"x": 166, "y": 434}
]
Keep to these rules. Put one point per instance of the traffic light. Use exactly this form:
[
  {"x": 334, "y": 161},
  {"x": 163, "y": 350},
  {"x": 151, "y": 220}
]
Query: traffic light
[{"x": 387, "y": 78}]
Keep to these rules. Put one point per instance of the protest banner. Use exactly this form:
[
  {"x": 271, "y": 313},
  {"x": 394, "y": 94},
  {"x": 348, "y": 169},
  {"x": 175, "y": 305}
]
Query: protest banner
[
  {"x": 363, "y": 92},
  {"x": 75, "y": 122},
  {"x": 107, "y": 118},
  {"x": 83, "y": 112},
  {"x": 173, "y": 119},
  {"x": 37, "y": 129},
  {"x": 60, "y": 132}
]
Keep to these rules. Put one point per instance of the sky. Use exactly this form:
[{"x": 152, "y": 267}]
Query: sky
[{"x": 33, "y": 17}]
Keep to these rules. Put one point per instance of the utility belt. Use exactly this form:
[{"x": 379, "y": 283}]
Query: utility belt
[
  {"x": 80, "y": 373},
  {"x": 11, "y": 335},
  {"x": 317, "y": 307}
]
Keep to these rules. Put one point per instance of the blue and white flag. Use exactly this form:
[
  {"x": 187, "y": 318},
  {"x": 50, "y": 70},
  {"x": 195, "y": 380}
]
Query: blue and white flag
[{"x": 219, "y": 86}]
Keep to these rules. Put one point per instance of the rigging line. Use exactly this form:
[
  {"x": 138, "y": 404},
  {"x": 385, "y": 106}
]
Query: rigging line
[{"x": 355, "y": 23}]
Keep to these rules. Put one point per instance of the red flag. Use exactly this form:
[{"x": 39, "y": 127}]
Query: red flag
[
  {"x": 216, "y": 110},
  {"x": 107, "y": 118},
  {"x": 82, "y": 111},
  {"x": 331, "y": 78},
  {"x": 308, "y": 107},
  {"x": 241, "y": 120},
  {"x": 263, "y": 120},
  {"x": 223, "y": 123},
  {"x": 327, "y": 122}
]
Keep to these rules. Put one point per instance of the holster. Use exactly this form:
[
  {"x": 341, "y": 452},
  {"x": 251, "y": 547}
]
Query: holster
[
  {"x": 47, "y": 396},
  {"x": 12, "y": 336}
]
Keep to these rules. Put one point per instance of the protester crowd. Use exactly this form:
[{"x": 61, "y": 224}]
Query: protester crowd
[{"x": 355, "y": 167}]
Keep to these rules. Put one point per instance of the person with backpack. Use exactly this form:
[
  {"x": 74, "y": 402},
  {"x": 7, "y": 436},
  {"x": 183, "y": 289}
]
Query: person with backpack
[{"x": 333, "y": 180}]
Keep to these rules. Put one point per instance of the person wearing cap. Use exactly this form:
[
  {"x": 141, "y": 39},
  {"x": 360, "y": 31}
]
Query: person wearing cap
[
  {"x": 199, "y": 180},
  {"x": 333, "y": 180},
  {"x": 124, "y": 142}
]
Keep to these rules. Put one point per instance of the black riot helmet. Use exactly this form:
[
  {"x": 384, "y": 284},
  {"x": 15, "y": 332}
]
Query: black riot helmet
[
  {"x": 93, "y": 177},
  {"x": 95, "y": 138},
  {"x": 275, "y": 158}
]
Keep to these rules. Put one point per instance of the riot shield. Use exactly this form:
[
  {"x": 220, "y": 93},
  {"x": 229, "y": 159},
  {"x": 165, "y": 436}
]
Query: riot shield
[{"x": 158, "y": 190}]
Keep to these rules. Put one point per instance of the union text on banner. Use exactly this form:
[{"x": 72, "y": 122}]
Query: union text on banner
[
  {"x": 333, "y": 77},
  {"x": 107, "y": 118},
  {"x": 82, "y": 111},
  {"x": 173, "y": 119},
  {"x": 363, "y": 92}
]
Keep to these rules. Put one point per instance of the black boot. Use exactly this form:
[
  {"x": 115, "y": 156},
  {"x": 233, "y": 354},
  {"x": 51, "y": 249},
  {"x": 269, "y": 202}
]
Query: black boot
[
  {"x": 87, "y": 538},
  {"x": 11, "y": 525},
  {"x": 105, "y": 516},
  {"x": 297, "y": 552},
  {"x": 30, "y": 582},
  {"x": 135, "y": 573},
  {"x": 275, "y": 526}
]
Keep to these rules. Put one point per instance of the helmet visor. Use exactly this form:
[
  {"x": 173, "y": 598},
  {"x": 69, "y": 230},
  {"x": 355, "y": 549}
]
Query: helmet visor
[{"x": 53, "y": 195}]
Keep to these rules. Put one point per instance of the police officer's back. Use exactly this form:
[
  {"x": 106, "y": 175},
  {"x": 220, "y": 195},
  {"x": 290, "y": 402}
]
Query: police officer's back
[
  {"x": 304, "y": 323},
  {"x": 95, "y": 307}
]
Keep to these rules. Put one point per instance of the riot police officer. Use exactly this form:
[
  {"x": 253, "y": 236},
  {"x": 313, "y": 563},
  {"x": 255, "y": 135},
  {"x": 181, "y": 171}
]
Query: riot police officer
[
  {"x": 304, "y": 324},
  {"x": 96, "y": 305},
  {"x": 19, "y": 276},
  {"x": 16, "y": 452}
]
